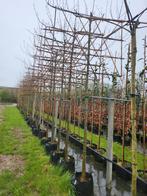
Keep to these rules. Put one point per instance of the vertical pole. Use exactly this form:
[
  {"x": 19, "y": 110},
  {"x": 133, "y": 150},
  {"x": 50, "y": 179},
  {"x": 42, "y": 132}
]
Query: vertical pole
[
  {"x": 53, "y": 97},
  {"x": 28, "y": 105},
  {"x": 42, "y": 115},
  {"x": 110, "y": 142},
  {"x": 69, "y": 95},
  {"x": 56, "y": 117},
  {"x": 133, "y": 112},
  {"x": 53, "y": 78},
  {"x": 34, "y": 105},
  {"x": 101, "y": 108},
  {"x": 79, "y": 113},
  {"x": 133, "y": 27},
  {"x": 83, "y": 177},
  {"x": 61, "y": 110},
  {"x": 74, "y": 109},
  {"x": 125, "y": 106},
  {"x": 92, "y": 116},
  {"x": 144, "y": 108},
  {"x": 40, "y": 109}
]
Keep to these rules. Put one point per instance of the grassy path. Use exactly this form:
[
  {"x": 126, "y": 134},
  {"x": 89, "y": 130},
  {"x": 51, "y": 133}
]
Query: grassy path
[{"x": 24, "y": 166}]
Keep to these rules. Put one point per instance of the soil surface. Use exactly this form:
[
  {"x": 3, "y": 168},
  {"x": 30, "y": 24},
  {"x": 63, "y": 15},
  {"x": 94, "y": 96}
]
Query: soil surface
[{"x": 13, "y": 163}]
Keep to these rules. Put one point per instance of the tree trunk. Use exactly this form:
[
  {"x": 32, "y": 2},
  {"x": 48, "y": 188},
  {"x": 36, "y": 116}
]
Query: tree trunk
[
  {"x": 83, "y": 177},
  {"x": 133, "y": 112},
  {"x": 34, "y": 106}
]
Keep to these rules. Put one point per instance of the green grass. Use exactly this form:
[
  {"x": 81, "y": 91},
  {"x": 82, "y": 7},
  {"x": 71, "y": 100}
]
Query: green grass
[
  {"x": 39, "y": 176},
  {"x": 117, "y": 148}
]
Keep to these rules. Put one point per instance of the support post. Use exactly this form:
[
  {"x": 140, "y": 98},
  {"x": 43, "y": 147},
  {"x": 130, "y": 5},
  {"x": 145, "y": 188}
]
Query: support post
[
  {"x": 133, "y": 112},
  {"x": 110, "y": 142},
  {"x": 56, "y": 117},
  {"x": 34, "y": 106}
]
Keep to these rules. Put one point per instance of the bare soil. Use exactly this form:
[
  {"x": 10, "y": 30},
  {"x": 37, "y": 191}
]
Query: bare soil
[{"x": 13, "y": 163}]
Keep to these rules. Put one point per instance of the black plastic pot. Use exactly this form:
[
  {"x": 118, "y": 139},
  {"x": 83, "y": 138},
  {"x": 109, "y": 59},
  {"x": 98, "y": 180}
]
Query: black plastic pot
[
  {"x": 49, "y": 125},
  {"x": 95, "y": 130},
  {"x": 87, "y": 142},
  {"x": 142, "y": 174},
  {"x": 89, "y": 126},
  {"x": 44, "y": 140},
  {"x": 84, "y": 188},
  {"x": 28, "y": 121},
  {"x": 77, "y": 137},
  {"x": 101, "y": 132},
  {"x": 42, "y": 133},
  {"x": 76, "y": 122},
  {"x": 45, "y": 123},
  {"x": 100, "y": 155},
  {"x": 33, "y": 126},
  {"x": 55, "y": 156},
  {"x": 143, "y": 139},
  {"x": 114, "y": 162},
  {"x": 138, "y": 136},
  {"x": 73, "y": 135},
  {"x": 82, "y": 125},
  {"x": 35, "y": 131},
  {"x": 50, "y": 147},
  {"x": 141, "y": 181},
  {"x": 117, "y": 138},
  {"x": 74, "y": 140},
  {"x": 124, "y": 171},
  {"x": 68, "y": 164},
  {"x": 127, "y": 165},
  {"x": 32, "y": 123},
  {"x": 64, "y": 130},
  {"x": 93, "y": 146},
  {"x": 27, "y": 118},
  {"x": 115, "y": 158},
  {"x": 127, "y": 141}
]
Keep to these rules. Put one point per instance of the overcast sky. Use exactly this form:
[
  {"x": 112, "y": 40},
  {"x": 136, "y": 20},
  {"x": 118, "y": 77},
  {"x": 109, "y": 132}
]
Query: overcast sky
[{"x": 18, "y": 20}]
